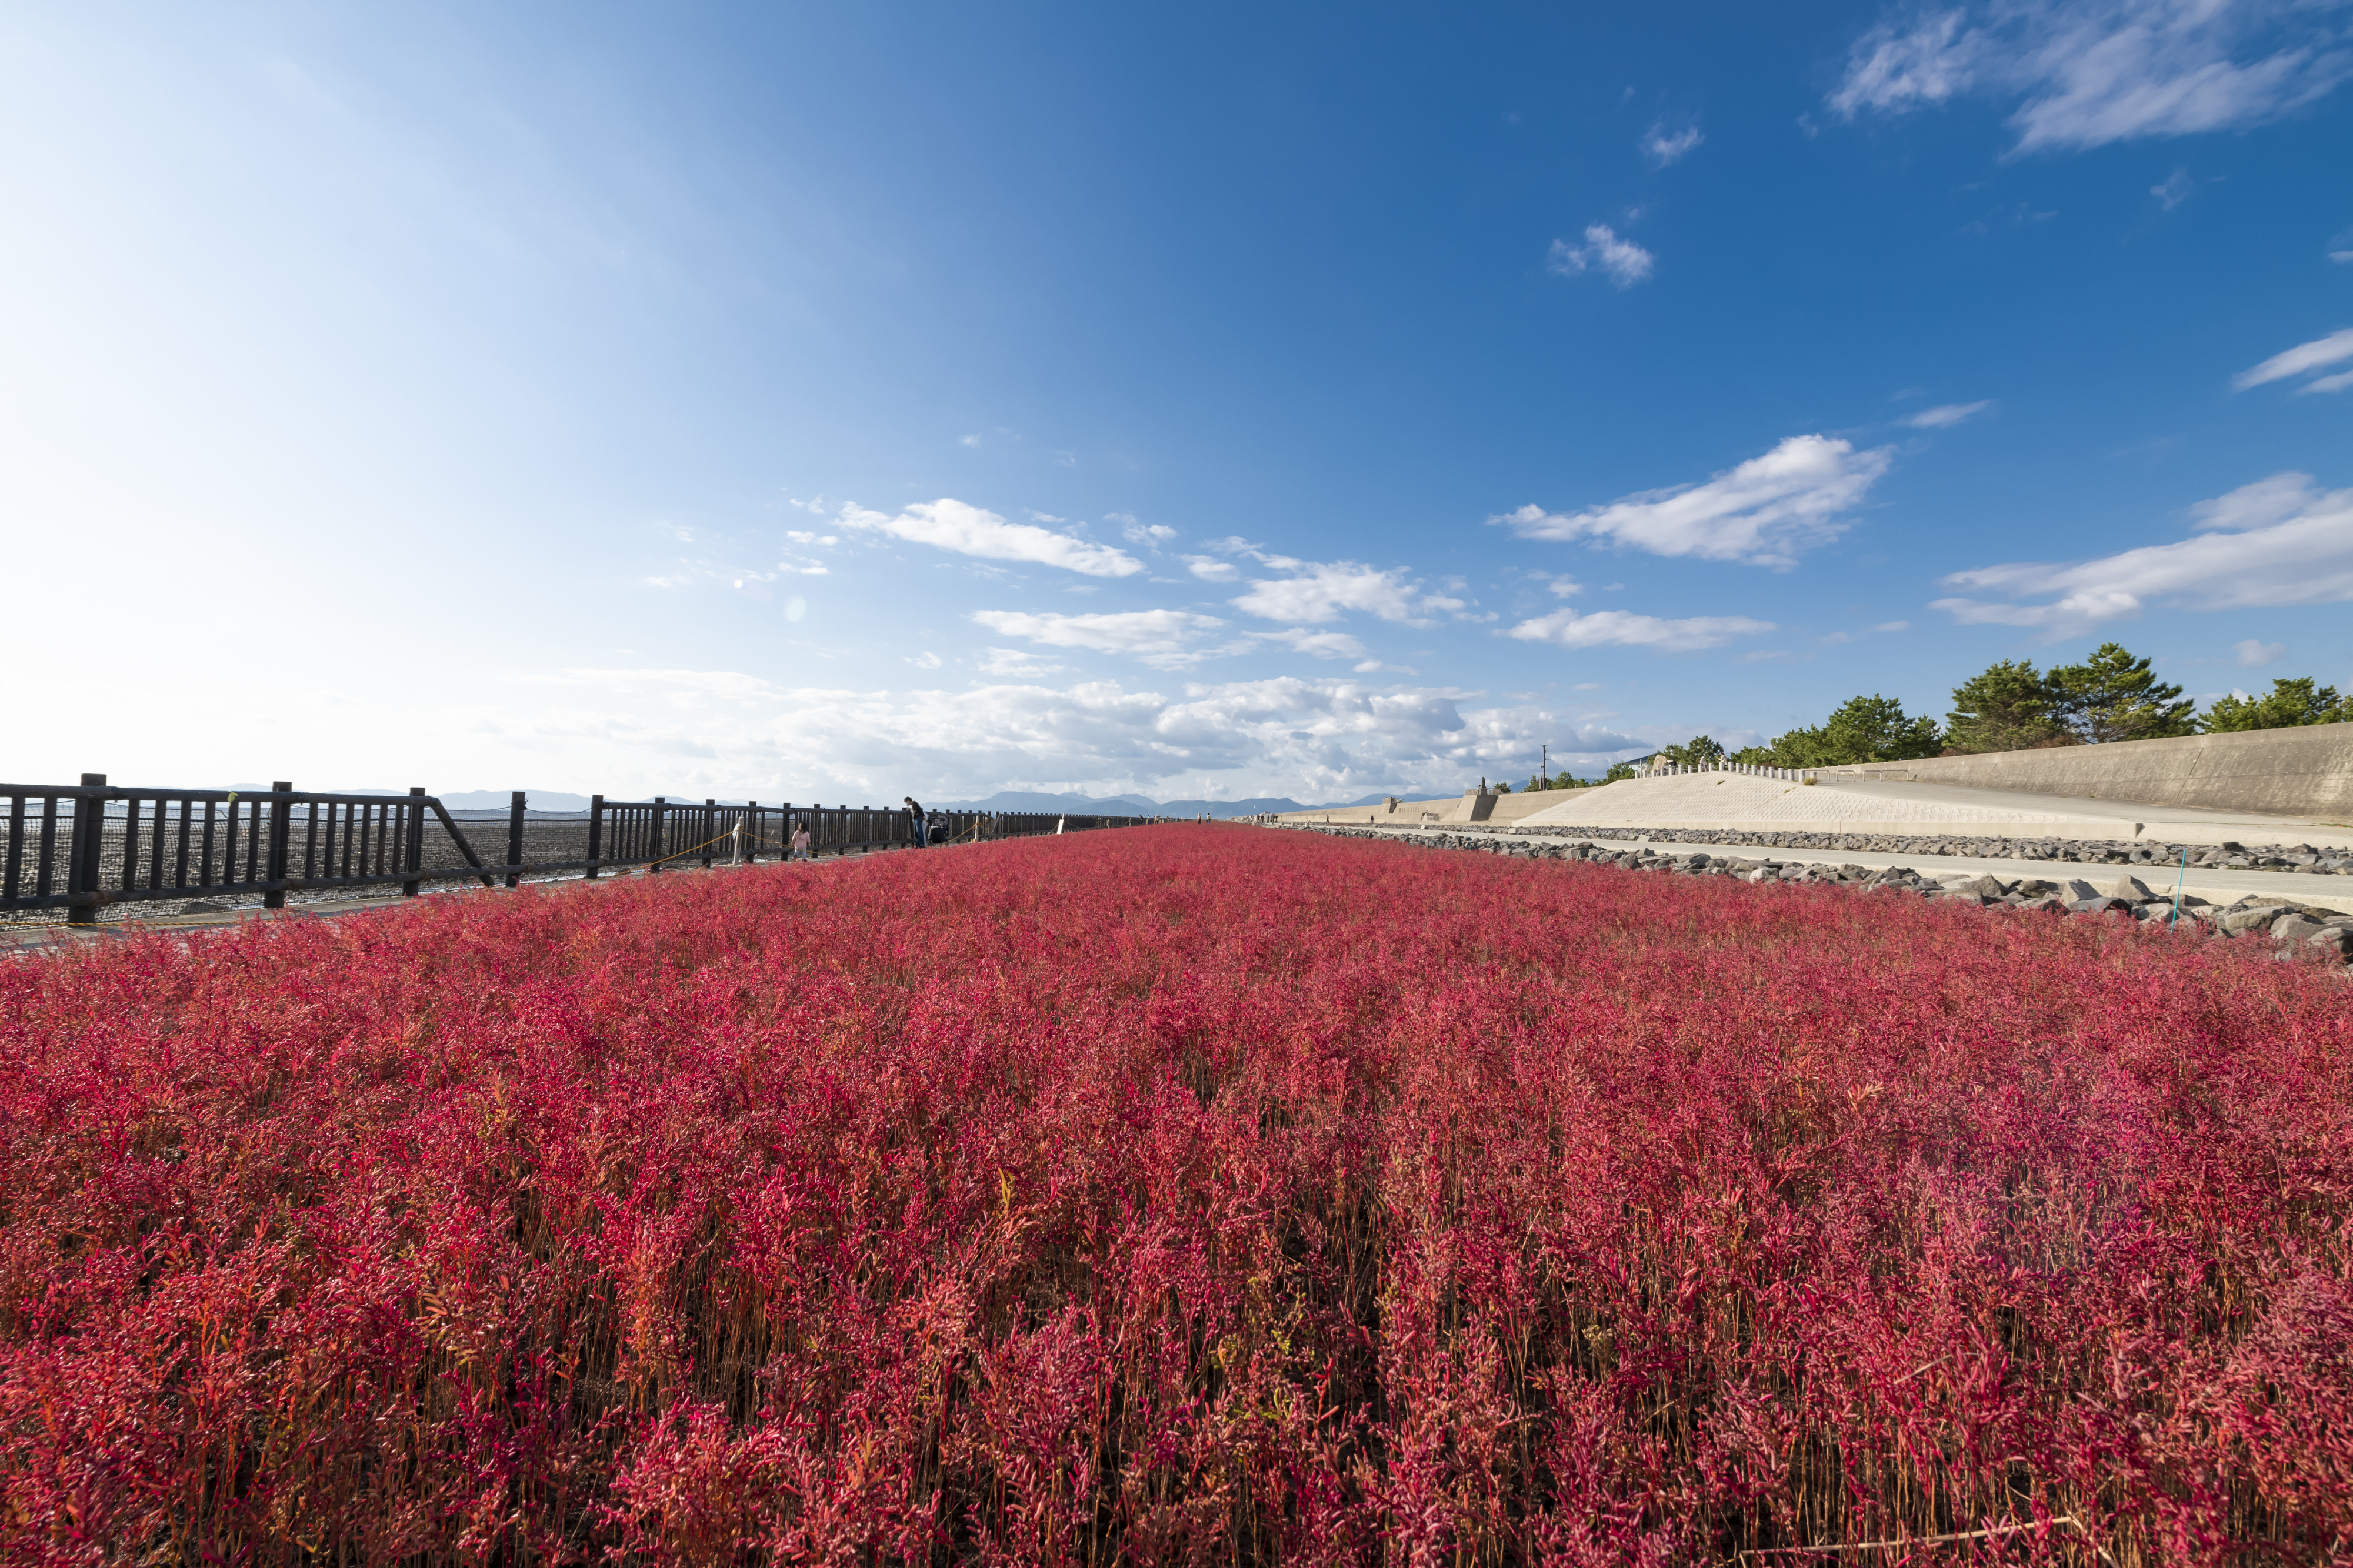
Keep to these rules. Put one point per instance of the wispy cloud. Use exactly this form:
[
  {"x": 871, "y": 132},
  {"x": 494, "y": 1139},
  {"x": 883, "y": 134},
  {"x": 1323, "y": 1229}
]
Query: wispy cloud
[
  {"x": 1313, "y": 593},
  {"x": 1663, "y": 147},
  {"x": 1210, "y": 569},
  {"x": 1946, "y": 415},
  {"x": 948, "y": 524},
  {"x": 1618, "y": 628},
  {"x": 1622, "y": 260},
  {"x": 2334, "y": 349},
  {"x": 2175, "y": 190},
  {"x": 1763, "y": 512},
  {"x": 1321, "y": 645},
  {"x": 2254, "y": 655},
  {"x": 1018, "y": 662},
  {"x": 2089, "y": 72},
  {"x": 1162, "y": 639},
  {"x": 2278, "y": 542}
]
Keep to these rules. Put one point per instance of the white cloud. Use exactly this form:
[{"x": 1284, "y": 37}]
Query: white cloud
[
  {"x": 801, "y": 536},
  {"x": 704, "y": 733},
  {"x": 968, "y": 440},
  {"x": 947, "y": 525},
  {"x": 1211, "y": 570},
  {"x": 2275, "y": 542},
  {"x": 1893, "y": 626},
  {"x": 2335, "y": 347},
  {"x": 1947, "y": 415},
  {"x": 1150, "y": 535},
  {"x": 1625, "y": 262},
  {"x": 1006, "y": 661},
  {"x": 2176, "y": 189},
  {"x": 1161, "y": 638},
  {"x": 925, "y": 661},
  {"x": 1892, "y": 69},
  {"x": 1663, "y": 148},
  {"x": 1762, "y": 512},
  {"x": 1323, "y": 645},
  {"x": 2254, "y": 655},
  {"x": 1318, "y": 591},
  {"x": 2090, "y": 72},
  {"x": 1618, "y": 628},
  {"x": 1324, "y": 590}
]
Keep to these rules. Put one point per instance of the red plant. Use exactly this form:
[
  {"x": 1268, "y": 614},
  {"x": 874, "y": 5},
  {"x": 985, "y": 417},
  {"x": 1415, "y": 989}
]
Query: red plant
[{"x": 1176, "y": 1195}]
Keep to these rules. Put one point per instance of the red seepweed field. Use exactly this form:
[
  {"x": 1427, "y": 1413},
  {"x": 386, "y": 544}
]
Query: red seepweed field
[{"x": 1182, "y": 1193}]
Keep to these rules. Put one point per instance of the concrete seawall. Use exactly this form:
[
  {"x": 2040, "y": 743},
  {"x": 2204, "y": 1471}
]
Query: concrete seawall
[{"x": 2306, "y": 772}]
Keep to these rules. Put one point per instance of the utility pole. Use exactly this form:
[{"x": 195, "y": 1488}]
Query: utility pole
[{"x": 1544, "y": 765}]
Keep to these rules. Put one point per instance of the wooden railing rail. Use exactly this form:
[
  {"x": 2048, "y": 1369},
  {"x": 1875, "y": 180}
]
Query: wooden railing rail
[{"x": 80, "y": 848}]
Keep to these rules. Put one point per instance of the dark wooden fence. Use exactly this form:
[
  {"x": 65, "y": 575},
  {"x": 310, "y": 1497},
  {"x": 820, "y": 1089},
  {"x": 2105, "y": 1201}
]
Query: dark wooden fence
[{"x": 77, "y": 847}]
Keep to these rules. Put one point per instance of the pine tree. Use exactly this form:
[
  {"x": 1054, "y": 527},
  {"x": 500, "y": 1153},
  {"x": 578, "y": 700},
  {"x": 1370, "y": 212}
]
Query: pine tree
[
  {"x": 1871, "y": 729},
  {"x": 2292, "y": 702},
  {"x": 1699, "y": 751},
  {"x": 2111, "y": 696},
  {"x": 2006, "y": 707}
]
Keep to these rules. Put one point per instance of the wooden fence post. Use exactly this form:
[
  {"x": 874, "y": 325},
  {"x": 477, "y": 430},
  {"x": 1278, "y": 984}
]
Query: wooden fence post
[
  {"x": 596, "y": 831},
  {"x": 273, "y": 868},
  {"x": 409, "y": 888},
  {"x": 514, "y": 837},
  {"x": 81, "y": 851}
]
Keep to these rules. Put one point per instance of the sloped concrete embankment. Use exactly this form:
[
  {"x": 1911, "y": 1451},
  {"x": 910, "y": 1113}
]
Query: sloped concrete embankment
[{"x": 1473, "y": 805}]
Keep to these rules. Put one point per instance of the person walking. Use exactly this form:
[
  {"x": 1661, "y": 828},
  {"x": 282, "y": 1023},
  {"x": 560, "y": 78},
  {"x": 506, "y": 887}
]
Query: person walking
[
  {"x": 800, "y": 839},
  {"x": 922, "y": 824}
]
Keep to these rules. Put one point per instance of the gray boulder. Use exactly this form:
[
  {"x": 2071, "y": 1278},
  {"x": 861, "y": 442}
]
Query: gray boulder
[
  {"x": 2075, "y": 890},
  {"x": 2251, "y": 918},
  {"x": 2099, "y": 906},
  {"x": 2337, "y": 941},
  {"x": 1985, "y": 887},
  {"x": 2294, "y": 928},
  {"x": 2133, "y": 889}
]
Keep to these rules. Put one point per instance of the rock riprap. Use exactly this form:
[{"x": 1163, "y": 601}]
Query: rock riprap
[
  {"x": 2228, "y": 855},
  {"x": 2295, "y": 928}
]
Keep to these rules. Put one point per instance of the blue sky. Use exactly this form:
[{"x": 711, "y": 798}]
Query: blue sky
[{"x": 848, "y": 402}]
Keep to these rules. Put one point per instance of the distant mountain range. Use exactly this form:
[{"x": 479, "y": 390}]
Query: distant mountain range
[
  {"x": 471, "y": 803},
  {"x": 1143, "y": 806}
]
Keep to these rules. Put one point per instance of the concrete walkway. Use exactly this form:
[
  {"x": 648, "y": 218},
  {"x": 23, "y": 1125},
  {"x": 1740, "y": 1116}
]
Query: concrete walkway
[{"x": 1887, "y": 808}]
